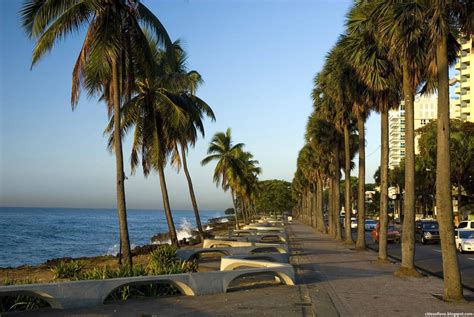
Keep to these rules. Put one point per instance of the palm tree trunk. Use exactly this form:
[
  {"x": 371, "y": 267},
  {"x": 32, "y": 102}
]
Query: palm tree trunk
[
  {"x": 332, "y": 230},
  {"x": 347, "y": 187},
  {"x": 315, "y": 206},
  {"x": 360, "y": 243},
  {"x": 120, "y": 175},
  {"x": 237, "y": 226},
  {"x": 383, "y": 213},
  {"x": 310, "y": 216},
  {"x": 337, "y": 193},
  {"x": 408, "y": 233},
  {"x": 191, "y": 193},
  {"x": 459, "y": 197},
  {"x": 166, "y": 205},
  {"x": 319, "y": 208},
  {"x": 452, "y": 278}
]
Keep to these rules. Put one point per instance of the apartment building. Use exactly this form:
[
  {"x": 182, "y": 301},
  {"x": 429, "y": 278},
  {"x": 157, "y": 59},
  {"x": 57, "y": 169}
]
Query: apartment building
[
  {"x": 426, "y": 107},
  {"x": 464, "y": 79}
]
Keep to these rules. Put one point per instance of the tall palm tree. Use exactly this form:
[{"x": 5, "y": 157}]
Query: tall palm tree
[
  {"x": 316, "y": 136},
  {"x": 369, "y": 58},
  {"x": 114, "y": 31},
  {"x": 224, "y": 151},
  {"x": 180, "y": 81},
  {"x": 446, "y": 18},
  {"x": 334, "y": 78},
  {"x": 403, "y": 25}
]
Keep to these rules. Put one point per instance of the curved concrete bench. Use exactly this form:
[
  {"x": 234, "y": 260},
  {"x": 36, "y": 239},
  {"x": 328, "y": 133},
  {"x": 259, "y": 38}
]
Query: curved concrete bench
[
  {"x": 187, "y": 254},
  {"x": 269, "y": 257},
  {"x": 259, "y": 238},
  {"x": 224, "y": 243},
  {"x": 264, "y": 228},
  {"x": 231, "y": 263},
  {"x": 211, "y": 243},
  {"x": 83, "y": 294}
]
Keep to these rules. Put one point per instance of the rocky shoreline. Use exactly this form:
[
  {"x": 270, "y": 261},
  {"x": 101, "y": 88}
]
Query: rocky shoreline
[{"x": 42, "y": 272}]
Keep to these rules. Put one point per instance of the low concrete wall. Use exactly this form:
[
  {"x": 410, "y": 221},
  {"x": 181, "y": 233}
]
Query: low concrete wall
[{"x": 83, "y": 294}]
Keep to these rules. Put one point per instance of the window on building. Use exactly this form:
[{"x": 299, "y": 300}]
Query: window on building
[
  {"x": 402, "y": 121},
  {"x": 402, "y": 153},
  {"x": 402, "y": 145}
]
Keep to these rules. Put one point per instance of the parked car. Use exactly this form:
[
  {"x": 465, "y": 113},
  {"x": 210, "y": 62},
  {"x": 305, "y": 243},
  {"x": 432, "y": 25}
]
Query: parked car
[
  {"x": 426, "y": 231},
  {"x": 370, "y": 224},
  {"x": 464, "y": 239},
  {"x": 393, "y": 234},
  {"x": 468, "y": 224}
]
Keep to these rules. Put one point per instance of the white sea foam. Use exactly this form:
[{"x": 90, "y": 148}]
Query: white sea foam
[
  {"x": 114, "y": 250},
  {"x": 185, "y": 229}
]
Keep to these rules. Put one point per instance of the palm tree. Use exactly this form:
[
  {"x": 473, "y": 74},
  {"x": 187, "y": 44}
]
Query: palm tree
[
  {"x": 369, "y": 58},
  {"x": 326, "y": 108},
  {"x": 401, "y": 24},
  {"x": 114, "y": 37},
  {"x": 335, "y": 77},
  {"x": 222, "y": 150},
  {"x": 446, "y": 18},
  {"x": 179, "y": 80},
  {"x": 245, "y": 183},
  {"x": 316, "y": 136}
]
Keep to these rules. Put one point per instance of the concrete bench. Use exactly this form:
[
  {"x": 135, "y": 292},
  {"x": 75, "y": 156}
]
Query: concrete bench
[
  {"x": 83, "y": 294},
  {"x": 264, "y": 228},
  {"x": 187, "y": 254},
  {"x": 230, "y": 263},
  {"x": 259, "y": 238},
  {"x": 250, "y": 232},
  {"x": 269, "y": 257},
  {"x": 224, "y": 243}
]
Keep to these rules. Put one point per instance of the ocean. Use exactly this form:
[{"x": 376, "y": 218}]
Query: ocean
[{"x": 33, "y": 235}]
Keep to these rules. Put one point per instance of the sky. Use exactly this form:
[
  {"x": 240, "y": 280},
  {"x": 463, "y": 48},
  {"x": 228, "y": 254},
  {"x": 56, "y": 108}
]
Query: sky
[{"x": 257, "y": 58}]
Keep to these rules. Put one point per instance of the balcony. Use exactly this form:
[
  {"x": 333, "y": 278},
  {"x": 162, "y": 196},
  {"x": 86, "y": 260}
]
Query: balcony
[{"x": 460, "y": 91}]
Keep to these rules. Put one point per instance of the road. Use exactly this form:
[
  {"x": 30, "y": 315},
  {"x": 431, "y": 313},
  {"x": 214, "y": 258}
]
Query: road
[{"x": 428, "y": 258}]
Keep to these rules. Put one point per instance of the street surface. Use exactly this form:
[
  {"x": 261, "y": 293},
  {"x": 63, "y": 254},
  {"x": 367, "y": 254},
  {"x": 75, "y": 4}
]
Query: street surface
[{"x": 428, "y": 258}]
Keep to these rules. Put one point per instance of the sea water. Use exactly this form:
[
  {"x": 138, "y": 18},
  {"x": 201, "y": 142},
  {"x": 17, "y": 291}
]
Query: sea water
[{"x": 34, "y": 235}]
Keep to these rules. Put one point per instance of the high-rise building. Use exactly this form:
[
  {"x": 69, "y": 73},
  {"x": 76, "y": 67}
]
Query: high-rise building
[
  {"x": 465, "y": 80},
  {"x": 426, "y": 107}
]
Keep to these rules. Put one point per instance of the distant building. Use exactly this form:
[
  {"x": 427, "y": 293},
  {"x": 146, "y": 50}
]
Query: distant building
[
  {"x": 426, "y": 107},
  {"x": 464, "y": 80}
]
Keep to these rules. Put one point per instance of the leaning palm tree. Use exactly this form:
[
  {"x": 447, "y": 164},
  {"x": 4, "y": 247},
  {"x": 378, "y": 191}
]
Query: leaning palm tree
[
  {"x": 245, "y": 183},
  {"x": 114, "y": 38},
  {"x": 184, "y": 83},
  {"x": 224, "y": 151}
]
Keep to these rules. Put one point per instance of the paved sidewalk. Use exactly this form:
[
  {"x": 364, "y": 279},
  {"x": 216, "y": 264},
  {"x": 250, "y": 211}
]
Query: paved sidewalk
[
  {"x": 333, "y": 280},
  {"x": 357, "y": 285}
]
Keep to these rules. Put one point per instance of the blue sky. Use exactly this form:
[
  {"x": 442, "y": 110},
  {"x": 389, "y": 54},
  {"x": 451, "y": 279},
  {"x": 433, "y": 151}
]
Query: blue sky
[{"x": 257, "y": 58}]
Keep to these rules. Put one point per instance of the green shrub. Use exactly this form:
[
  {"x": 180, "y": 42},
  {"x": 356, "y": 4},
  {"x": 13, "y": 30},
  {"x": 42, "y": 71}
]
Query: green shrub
[
  {"x": 165, "y": 261},
  {"x": 70, "y": 270}
]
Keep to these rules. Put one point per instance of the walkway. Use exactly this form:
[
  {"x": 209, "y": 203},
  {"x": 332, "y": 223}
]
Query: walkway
[
  {"x": 357, "y": 285},
  {"x": 333, "y": 279}
]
